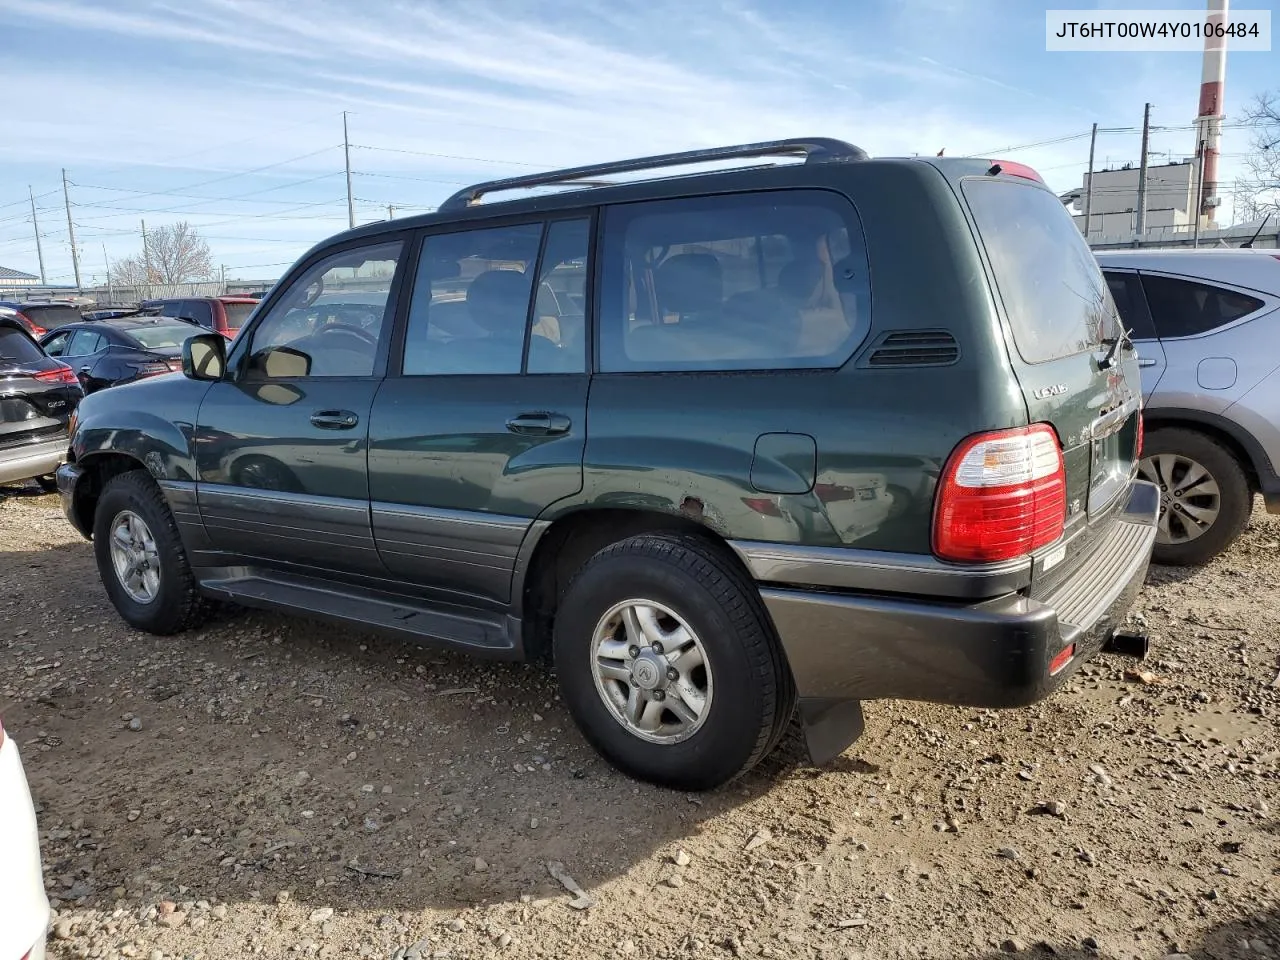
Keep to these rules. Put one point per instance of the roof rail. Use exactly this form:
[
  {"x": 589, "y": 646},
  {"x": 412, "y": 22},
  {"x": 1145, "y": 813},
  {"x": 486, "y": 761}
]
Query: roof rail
[{"x": 813, "y": 149}]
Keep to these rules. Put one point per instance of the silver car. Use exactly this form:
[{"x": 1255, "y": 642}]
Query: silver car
[{"x": 1206, "y": 325}]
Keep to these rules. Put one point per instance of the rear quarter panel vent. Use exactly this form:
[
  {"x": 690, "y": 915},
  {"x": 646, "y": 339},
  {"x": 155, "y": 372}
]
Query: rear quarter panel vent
[{"x": 912, "y": 348}]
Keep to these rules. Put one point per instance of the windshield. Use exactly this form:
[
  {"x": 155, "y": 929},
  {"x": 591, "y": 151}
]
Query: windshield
[
  {"x": 1057, "y": 301},
  {"x": 164, "y": 335},
  {"x": 238, "y": 314}
]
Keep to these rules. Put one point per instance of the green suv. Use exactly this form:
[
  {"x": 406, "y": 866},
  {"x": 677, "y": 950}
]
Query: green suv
[{"x": 725, "y": 446}]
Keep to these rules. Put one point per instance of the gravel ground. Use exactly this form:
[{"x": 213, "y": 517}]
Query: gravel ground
[{"x": 280, "y": 788}]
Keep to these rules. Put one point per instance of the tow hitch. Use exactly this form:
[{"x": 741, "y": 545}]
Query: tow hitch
[{"x": 1127, "y": 644}]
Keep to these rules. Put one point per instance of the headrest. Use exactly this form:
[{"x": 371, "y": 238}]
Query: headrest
[
  {"x": 498, "y": 300},
  {"x": 690, "y": 283},
  {"x": 799, "y": 279}
]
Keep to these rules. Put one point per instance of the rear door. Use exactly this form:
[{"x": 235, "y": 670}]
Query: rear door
[
  {"x": 1063, "y": 324},
  {"x": 1135, "y": 314},
  {"x": 483, "y": 423}
]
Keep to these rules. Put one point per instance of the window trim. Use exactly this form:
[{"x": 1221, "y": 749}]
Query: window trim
[
  {"x": 1134, "y": 278},
  {"x": 597, "y": 275},
  {"x": 395, "y": 362},
  {"x": 239, "y": 355},
  {"x": 1269, "y": 302}
]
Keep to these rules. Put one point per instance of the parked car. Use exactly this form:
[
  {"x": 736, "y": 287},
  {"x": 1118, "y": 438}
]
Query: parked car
[
  {"x": 225, "y": 315},
  {"x": 1206, "y": 323},
  {"x": 24, "y": 908},
  {"x": 104, "y": 353},
  {"x": 37, "y": 397},
  {"x": 41, "y": 316},
  {"x": 761, "y": 485}
]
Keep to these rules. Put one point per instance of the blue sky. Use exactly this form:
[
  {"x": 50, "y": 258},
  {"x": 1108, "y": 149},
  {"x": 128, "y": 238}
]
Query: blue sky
[{"x": 227, "y": 113}]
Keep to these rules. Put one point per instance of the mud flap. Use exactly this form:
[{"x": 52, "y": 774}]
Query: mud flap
[{"x": 829, "y": 726}]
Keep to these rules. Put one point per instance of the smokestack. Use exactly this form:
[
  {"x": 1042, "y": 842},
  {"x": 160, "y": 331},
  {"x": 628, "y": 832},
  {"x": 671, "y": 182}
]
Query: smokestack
[{"x": 1213, "y": 78}]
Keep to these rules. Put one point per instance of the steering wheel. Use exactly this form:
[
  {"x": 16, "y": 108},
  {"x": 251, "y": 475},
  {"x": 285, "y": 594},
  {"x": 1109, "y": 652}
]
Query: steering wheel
[{"x": 348, "y": 329}]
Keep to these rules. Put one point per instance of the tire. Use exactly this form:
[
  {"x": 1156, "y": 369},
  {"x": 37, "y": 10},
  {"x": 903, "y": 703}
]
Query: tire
[
  {"x": 176, "y": 604},
  {"x": 1234, "y": 499},
  {"x": 751, "y": 698}
]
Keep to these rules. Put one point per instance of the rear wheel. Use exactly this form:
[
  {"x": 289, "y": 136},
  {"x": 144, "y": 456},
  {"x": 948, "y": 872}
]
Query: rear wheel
[
  {"x": 140, "y": 557},
  {"x": 669, "y": 663},
  {"x": 1204, "y": 495}
]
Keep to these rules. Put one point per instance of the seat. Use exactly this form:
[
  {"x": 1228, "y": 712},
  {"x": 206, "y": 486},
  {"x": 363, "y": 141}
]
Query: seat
[{"x": 497, "y": 305}]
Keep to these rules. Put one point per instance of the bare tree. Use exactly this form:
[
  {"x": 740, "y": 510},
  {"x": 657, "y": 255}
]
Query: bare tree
[
  {"x": 129, "y": 272},
  {"x": 178, "y": 254},
  {"x": 1258, "y": 193}
]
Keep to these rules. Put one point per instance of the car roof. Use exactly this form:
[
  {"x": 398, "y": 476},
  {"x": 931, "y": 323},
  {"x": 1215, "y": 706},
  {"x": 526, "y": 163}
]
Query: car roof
[{"x": 1254, "y": 269}]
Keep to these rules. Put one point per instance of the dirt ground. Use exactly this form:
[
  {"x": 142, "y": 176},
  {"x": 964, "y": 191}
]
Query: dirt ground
[{"x": 280, "y": 788}]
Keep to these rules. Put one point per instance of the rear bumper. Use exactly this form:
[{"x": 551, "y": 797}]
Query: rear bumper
[
  {"x": 33, "y": 460},
  {"x": 994, "y": 653}
]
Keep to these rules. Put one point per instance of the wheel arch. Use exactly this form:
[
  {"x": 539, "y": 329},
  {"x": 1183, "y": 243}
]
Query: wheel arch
[
  {"x": 98, "y": 469},
  {"x": 1247, "y": 451},
  {"x": 554, "y": 550}
]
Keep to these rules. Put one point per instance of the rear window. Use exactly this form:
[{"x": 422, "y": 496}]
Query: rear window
[
  {"x": 51, "y": 316},
  {"x": 1184, "y": 308},
  {"x": 237, "y": 314},
  {"x": 167, "y": 335},
  {"x": 1053, "y": 292},
  {"x": 17, "y": 347}
]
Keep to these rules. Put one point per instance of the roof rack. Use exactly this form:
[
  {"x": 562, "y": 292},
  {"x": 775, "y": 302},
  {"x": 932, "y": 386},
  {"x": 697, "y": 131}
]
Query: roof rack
[{"x": 813, "y": 149}]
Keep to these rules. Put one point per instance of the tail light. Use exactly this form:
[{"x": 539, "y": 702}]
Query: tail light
[
  {"x": 1002, "y": 495},
  {"x": 33, "y": 328},
  {"x": 153, "y": 368},
  {"x": 59, "y": 374}
]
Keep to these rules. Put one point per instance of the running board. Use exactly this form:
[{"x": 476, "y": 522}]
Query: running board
[{"x": 490, "y": 633}]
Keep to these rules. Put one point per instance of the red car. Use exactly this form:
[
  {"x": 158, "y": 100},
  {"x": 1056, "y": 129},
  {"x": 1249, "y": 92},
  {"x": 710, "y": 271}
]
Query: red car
[{"x": 226, "y": 315}]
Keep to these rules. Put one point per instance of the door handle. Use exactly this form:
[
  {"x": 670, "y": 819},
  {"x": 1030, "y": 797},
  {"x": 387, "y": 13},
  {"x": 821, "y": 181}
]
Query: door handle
[
  {"x": 334, "y": 419},
  {"x": 84, "y": 371},
  {"x": 539, "y": 424},
  {"x": 1146, "y": 361}
]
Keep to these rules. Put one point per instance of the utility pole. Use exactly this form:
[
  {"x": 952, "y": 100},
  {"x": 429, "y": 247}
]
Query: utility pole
[
  {"x": 346, "y": 152},
  {"x": 1142, "y": 176},
  {"x": 224, "y": 278},
  {"x": 35, "y": 224},
  {"x": 111, "y": 297},
  {"x": 71, "y": 230},
  {"x": 1088, "y": 190},
  {"x": 1195, "y": 207},
  {"x": 146, "y": 252},
  {"x": 391, "y": 211}
]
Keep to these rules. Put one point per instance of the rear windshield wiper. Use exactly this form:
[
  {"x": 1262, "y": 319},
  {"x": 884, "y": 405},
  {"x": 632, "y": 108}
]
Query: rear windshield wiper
[{"x": 1114, "y": 344}]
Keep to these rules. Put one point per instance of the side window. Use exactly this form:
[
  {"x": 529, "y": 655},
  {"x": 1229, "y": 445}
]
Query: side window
[
  {"x": 83, "y": 343},
  {"x": 57, "y": 346},
  {"x": 763, "y": 281},
  {"x": 470, "y": 303},
  {"x": 558, "y": 336},
  {"x": 1131, "y": 304},
  {"x": 330, "y": 319},
  {"x": 1184, "y": 308}
]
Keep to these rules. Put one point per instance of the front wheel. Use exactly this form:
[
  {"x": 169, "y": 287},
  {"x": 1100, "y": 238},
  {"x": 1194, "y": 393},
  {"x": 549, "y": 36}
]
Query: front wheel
[
  {"x": 669, "y": 663},
  {"x": 1204, "y": 495},
  {"x": 140, "y": 557}
]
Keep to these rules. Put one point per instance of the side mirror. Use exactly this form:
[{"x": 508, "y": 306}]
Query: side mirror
[{"x": 204, "y": 356}]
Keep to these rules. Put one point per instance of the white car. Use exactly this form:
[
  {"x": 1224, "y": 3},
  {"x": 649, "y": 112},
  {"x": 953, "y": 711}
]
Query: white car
[{"x": 24, "y": 909}]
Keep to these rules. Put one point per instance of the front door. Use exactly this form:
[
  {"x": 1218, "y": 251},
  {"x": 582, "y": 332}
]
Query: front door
[
  {"x": 484, "y": 425},
  {"x": 282, "y": 444}
]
